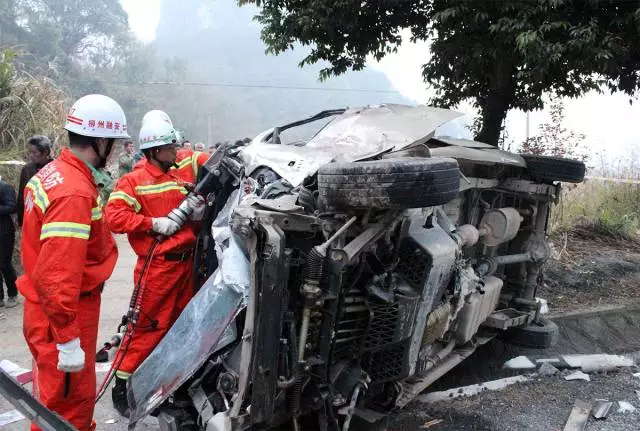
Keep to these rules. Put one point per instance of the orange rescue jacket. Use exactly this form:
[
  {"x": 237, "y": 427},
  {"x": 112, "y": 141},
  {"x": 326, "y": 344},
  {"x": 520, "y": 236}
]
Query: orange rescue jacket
[
  {"x": 66, "y": 247},
  {"x": 148, "y": 192}
]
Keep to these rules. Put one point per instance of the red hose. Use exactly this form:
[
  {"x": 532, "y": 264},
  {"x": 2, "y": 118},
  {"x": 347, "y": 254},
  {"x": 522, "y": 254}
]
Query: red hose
[{"x": 132, "y": 319}]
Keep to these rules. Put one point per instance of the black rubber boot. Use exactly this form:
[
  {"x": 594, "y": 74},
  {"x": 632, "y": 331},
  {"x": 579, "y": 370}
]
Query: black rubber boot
[{"x": 119, "y": 397}]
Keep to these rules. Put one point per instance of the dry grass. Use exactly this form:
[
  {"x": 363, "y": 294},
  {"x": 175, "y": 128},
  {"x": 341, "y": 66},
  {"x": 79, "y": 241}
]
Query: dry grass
[
  {"x": 28, "y": 106},
  {"x": 608, "y": 207}
]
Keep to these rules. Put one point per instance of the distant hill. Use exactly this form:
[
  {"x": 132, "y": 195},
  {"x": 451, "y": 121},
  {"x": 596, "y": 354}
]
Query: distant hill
[{"x": 219, "y": 42}]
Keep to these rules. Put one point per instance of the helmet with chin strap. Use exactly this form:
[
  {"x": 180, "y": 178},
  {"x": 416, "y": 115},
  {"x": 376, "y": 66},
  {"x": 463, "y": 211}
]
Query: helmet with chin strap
[
  {"x": 157, "y": 133},
  {"x": 98, "y": 116}
]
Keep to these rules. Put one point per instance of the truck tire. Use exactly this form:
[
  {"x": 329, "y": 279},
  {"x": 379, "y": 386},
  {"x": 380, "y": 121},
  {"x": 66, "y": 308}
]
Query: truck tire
[
  {"x": 545, "y": 168},
  {"x": 388, "y": 183},
  {"x": 539, "y": 334}
]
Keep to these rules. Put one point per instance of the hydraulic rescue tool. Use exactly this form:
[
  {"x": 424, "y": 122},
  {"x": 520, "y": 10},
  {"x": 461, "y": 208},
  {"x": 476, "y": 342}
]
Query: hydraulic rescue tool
[{"x": 219, "y": 172}]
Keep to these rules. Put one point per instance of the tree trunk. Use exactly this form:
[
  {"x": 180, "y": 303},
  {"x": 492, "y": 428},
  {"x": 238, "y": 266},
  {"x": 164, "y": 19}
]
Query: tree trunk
[
  {"x": 495, "y": 104},
  {"x": 493, "y": 110}
]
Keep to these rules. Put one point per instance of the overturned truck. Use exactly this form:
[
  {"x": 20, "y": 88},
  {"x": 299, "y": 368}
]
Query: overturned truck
[{"x": 346, "y": 272}]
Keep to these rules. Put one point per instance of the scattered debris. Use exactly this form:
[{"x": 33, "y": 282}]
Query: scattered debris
[
  {"x": 519, "y": 363},
  {"x": 624, "y": 407},
  {"x": 578, "y": 375},
  {"x": 544, "y": 306},
  {"x": 22, "y": 375},
  {"x": 636, "y": 375},
  {"x": 546, "y": 369},
  {"x": 598, "y": 362},
  {"x": 578, "y": 417},
  {"x": 467, "y": 391},
  {"x": 110, "y": 421},
  {"x": 588, "y": 363},
  {"x": 601, "y": 409},
  {"x": 3, "y": 316},
  {"x": 431, "y": 423},
  {"x": 637, "y": 393},
  {"x": 10, "y": 417}
]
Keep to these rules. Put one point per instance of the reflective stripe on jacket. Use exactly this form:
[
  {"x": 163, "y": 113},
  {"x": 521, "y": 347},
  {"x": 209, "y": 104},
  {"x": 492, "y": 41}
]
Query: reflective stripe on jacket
[
  {"x": 148, "y": 192},
  {"x": 66, "y": 247}
]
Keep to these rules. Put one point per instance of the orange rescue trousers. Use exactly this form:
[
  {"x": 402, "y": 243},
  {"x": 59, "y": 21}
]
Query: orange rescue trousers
[
  {"x": 168, "y": 289},
  {"x": 49, "y": 383}
]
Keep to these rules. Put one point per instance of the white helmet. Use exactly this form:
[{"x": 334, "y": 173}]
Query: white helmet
[
  {"x": 156, "y": 134},
  {"x": 97, "y": 116},
  {"x": 156, "y": 115}
]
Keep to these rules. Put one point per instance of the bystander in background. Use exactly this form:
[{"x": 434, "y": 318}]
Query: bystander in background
[
  {"x": 39, "y": 152},
  {"x": 7, "y": 240}
]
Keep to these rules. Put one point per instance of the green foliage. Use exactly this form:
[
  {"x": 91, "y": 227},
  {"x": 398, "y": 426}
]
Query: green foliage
[
  {"x": 67, "y": 42},
  {"x": 501, "y": 55},
  {"x": 58, "y": 33},
  {"x": 609, "y": 207},
  {"x": 617, "y": 225}
]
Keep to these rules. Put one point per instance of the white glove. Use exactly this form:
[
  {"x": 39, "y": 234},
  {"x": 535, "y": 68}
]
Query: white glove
[
  {"x": 164, "y": 226},
  {"x": 199, "y": 205},
  {"x": 70, "y": 356}
]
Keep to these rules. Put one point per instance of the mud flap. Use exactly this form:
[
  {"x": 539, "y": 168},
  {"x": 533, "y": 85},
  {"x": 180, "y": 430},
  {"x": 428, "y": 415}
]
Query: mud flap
[{"x": 31, "y": 408}]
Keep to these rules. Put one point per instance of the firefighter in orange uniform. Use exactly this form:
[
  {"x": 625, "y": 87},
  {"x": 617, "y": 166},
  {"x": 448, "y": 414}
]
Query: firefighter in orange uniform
[
  {"x": 138, "y": 207},
  {"x": 68, "y": 253}
]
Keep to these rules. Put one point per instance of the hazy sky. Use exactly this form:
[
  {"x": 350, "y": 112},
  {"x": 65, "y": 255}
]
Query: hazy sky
[{"x": 608, "y": 121}]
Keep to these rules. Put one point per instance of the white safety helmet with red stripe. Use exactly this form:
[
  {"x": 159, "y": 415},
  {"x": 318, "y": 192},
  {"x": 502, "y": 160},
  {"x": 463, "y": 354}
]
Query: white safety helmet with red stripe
[
  {"x": 156, "y": 115},
  {"x": 156, "y": 133},
  {"x": 97, "y": 116}
]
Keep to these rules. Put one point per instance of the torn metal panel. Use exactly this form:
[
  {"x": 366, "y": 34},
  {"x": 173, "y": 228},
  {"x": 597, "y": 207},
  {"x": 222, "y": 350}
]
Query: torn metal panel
[
  {"x": 292, "y": 163},
  {"x": 205, "y": 326},
  {"x": 466, "y": 143},
  {"x": 363, "y": 131},
  {"x": 354, "y": 135},
  {"x": 31, "y": 408},
  {"x": 481, "y": 156},
  {"x": 601, "y": 409}
]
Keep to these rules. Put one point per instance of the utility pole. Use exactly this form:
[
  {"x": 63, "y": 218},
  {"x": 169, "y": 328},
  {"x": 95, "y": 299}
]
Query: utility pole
[{"x": 527, "y": 126}]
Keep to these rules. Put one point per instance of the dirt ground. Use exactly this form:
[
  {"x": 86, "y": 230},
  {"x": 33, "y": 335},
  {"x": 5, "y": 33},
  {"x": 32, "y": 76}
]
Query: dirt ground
[{"x": 591, "y": 270}]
